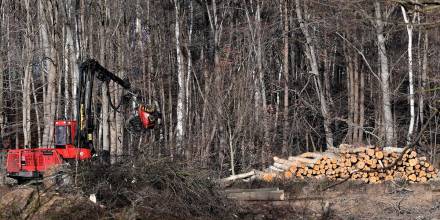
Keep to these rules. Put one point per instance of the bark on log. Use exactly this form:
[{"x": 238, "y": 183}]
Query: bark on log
[
  {"x": 286, "y": 162},
  {"x": 275, "y": 169},
  {"x": 250, "y": 190},
  {"x": 277, "y": 195},
  {"x": 393, "y": 149},
  {"x": 281, "y": 166},
  {"x": 347, "y": 150},
  {"x": 305, "y": 161},
  {"x": 238, "y": 176},
  {"x": 297, "y": 162}
]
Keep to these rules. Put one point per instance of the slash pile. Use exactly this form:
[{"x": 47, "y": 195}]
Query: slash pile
[{"x": 368, "y": 164}]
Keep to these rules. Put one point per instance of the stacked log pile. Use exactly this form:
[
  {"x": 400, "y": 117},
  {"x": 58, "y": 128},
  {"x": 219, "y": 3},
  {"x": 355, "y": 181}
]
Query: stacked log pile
[{"x": 368, "y": 164}]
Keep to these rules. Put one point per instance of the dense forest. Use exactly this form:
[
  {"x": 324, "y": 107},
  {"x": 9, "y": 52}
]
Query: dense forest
[{"x": 237, "y": 82}]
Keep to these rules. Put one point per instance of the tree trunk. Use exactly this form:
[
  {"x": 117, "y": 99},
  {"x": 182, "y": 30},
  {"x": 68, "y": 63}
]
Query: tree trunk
[
  {"x": 286, "y": 76},
  {"x": 360, "y": 134},
  {"x": 37, "y": 112},
  {"x": 385, "y": 77},
  {"x": 164, "y": 116},
  {"x": 26, "y": 83},
  {"x": 409, "y": 29},
  {"x": 149, "y": 51},
  {"x": 423, "y": 77},
  {"x": 48, "y": 63},
  {"x": 327, "y": 79},
  {"x": 67, "y": 99},
  {"x": 118, "y": 135},
  {"x": 350, "y": 88},
  {"x": 76, "y": 28},
  {"x": 311, "y": 55},
  {"x": 262, "y": 86},
  {"x": 356, "y": 98},
  {"x": 188, "y": 144},
  {"x": 216, "y": 28},
  {"x": 2, "y": 69},
  {"x": 106, "y": 145},
  {"x": 205, "y": 125},
  {"x": 71, "y": 60},
  {"x": 258, "y": 77},
  {"x": 181, "y": 82},
  {"x": 171, "y": 143},
  {"x": 26, "y": 104}
]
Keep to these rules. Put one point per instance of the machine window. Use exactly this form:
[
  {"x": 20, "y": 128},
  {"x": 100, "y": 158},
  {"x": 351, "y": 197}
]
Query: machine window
[{"x": 62, "y": 135}]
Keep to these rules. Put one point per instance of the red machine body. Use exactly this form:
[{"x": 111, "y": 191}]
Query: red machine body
[
  {"x": 30, "y": 163},
  {"x": 73, "y": 139},
  {"x": 146, "y": 117}
]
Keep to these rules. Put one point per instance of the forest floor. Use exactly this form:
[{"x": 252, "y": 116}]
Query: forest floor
[
  {"x": 4, "y": 190},
  {"x": 351, "y": 200}
]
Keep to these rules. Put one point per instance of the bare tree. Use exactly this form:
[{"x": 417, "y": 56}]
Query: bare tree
[
  {"x": 26, "y": 83},
  {"x": 181, "y": 82},
  {"x": 105, "y": 120},
  {"x": 409, "y": 28},
  {"x": 2, "y": 69},
  {"x": 311, "y": 56},
  {"x": 255, "y": 32},
  {"x": 189, "y": 70},
  {"x": 423, "y": 77},
  {"x": 385, "y": 76},
  {"x": 216, "y": 26},
  {"x": 285, "y": 17},
  {"x": 47, "y": 39},
  {"x": 71, "y": 53}
]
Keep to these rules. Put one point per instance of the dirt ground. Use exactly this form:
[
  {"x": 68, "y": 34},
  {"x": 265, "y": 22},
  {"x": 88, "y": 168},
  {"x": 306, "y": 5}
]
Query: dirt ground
[
  {"x": 3, "y": 190},
  {"x": 352, "y": 200},
  {"x": 385, "y": 201}
]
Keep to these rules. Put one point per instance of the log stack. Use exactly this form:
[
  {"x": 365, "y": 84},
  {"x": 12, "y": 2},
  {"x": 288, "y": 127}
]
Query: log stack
[{"x": 368, "y": 164}]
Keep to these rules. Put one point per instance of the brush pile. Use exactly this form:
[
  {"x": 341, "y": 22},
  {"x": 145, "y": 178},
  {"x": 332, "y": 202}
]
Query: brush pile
[
  {"x": 368, "y": 164},
  {"x": 153, "y": 189}
]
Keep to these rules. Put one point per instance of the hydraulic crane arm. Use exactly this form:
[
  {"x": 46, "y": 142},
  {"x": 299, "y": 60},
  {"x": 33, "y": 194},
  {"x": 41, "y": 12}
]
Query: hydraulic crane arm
[
  {"x": 103, "y": 74},
  {"x": 88, "y": 71}
]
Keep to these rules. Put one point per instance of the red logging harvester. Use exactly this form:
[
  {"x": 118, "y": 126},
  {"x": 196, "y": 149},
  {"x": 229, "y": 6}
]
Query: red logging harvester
[{"x": 73, "y": 139}]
